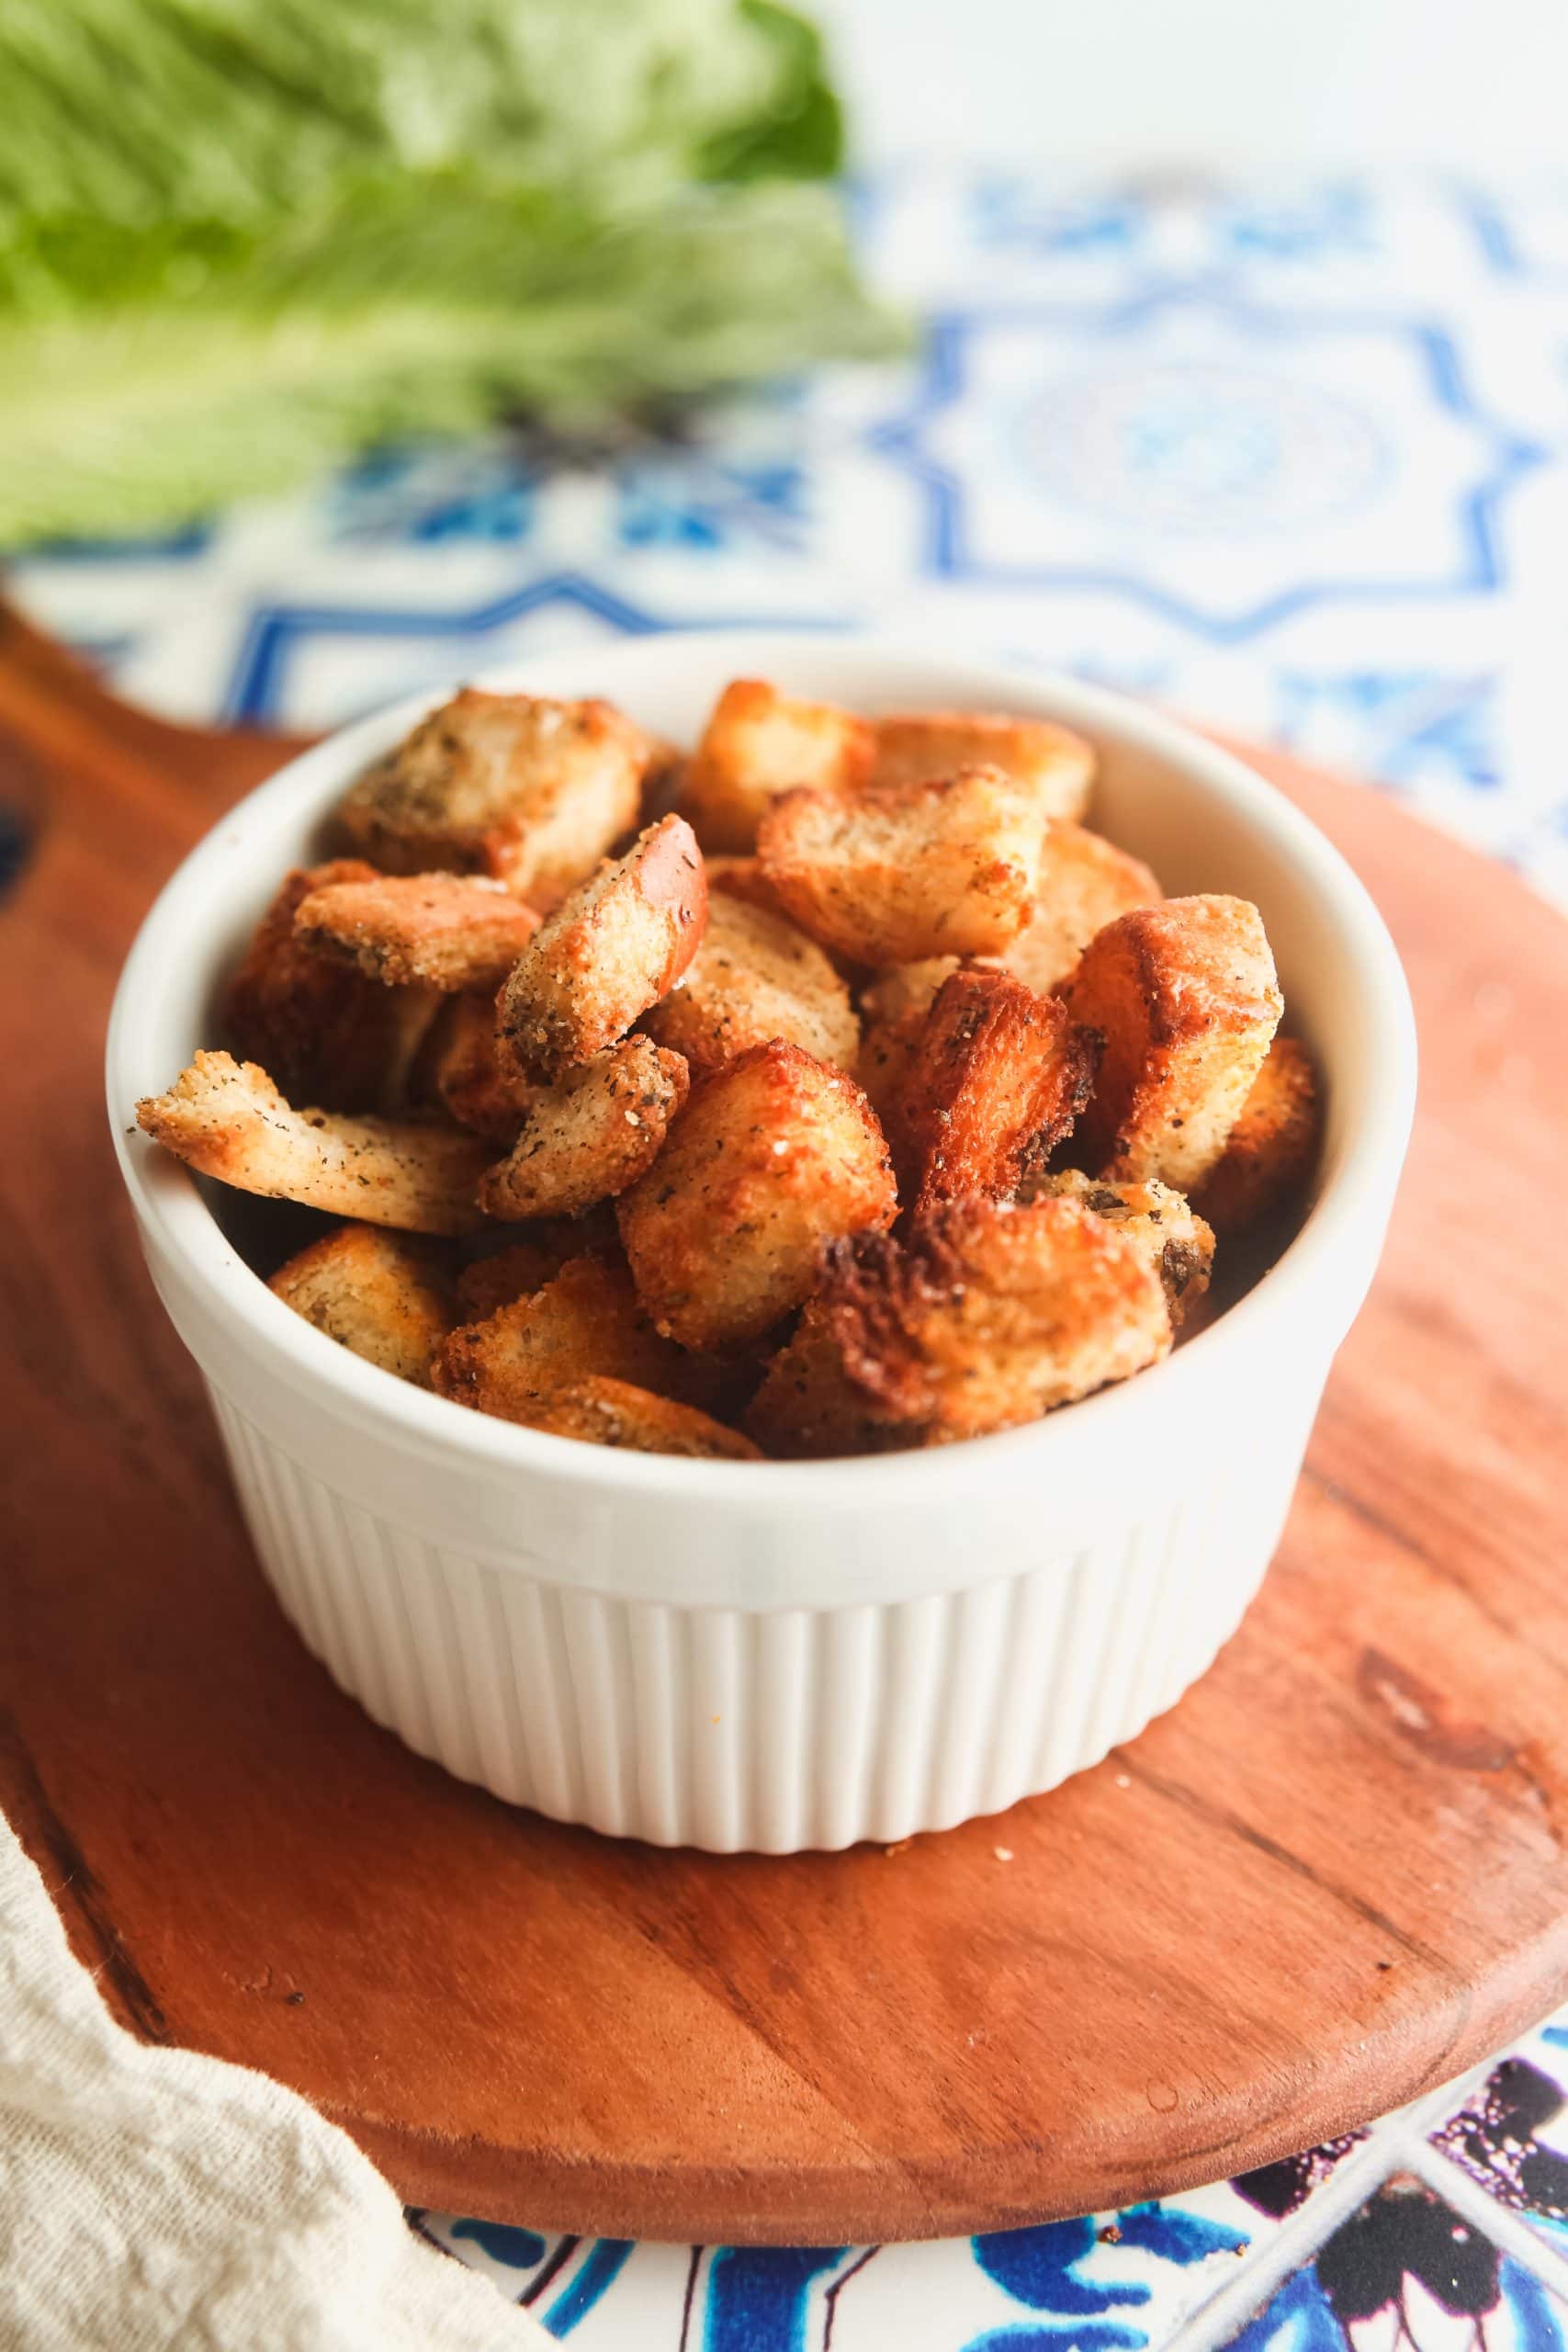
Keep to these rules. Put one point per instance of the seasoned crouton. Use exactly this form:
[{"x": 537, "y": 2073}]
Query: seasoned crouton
[
  {"x": 990, "y": 1314},
  {"x": 1185, "y": 995},
  {"x": 326, "y": 1033},
  {"x": 614, "y": 948},
  {"x": 756, "y": 975},
  {"x": 807, "y": 1408},
  {"x": 1084, "y": 883},
  {"x": 529, "y": 790},
  {"x": 611, "y": 1412},
  {"x": 471, "y": 1077},
  {"x": 927, "y": 869},
  {"x": 1271, "y": 1144},
  {"x": 883, "y": 1068},
  {"x": 1178, "y": 1244},
  {"x": 920, "y": 747},
  {"x": 773, "y": 1155},
  {"x": 994, "y": 1080},
  {"x": 452, "y": 931},
  {"x": 587, "y": 1321},
  {"x": 740, "y": 877},
  {"x": 590, "y": 1136},
  {"x": 379, "y": 1294},
  {"x": 516, "y": 1271},
  {"x": 227, "y": 1119},
  {"x": 901, "y": 988},
  {"x": 759, "y": 743}
]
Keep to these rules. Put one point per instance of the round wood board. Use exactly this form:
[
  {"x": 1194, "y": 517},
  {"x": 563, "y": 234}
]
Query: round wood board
[{"x": 1333, "y": 1876}]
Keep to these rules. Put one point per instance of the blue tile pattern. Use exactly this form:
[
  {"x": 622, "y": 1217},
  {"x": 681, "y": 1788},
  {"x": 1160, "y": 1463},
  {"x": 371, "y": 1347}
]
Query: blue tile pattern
[{"x": 1293, "y": 458}]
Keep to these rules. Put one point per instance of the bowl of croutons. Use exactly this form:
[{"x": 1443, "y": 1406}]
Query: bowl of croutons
[{"x": 764, "y": 1246}]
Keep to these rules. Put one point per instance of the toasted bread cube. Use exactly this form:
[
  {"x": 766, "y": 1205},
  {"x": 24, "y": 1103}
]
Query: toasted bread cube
[
  {"x": 992, "y": 1313},
  {"x": 928, "y": 869},
  {"x": 1185, "y": 997},
  {"x": 615, "y": 947},
  {"x": 741, "y": 878},
  {"x": 807, "y": 1408},
  {"x": 516, "y": 1271},
  {"x": 1084, "y": 883},
  {"x": 449, "y": 931},
  {"x": 586, "y": 1322},
  {"x": 226, "y": 1119},
  {"x": 1270, "y": 1147},
  {"x": 759, "y": 743},
  {"x": 901, "y": 988},
  {"x": 882, "y": 1070},
  {"x": 326, "y": 1033},
  {"x": 588, "y": 1138},
  {"x": 756, "y": 975},
  {"x": 1177, "y": 1243},
  {"x": 529, "y": 790},
  {"x": 379, "y": 1294},
  {"x": 774, "y": 1154},
  {"x": 611, "y": 1412},
  {"x": 470, "y": 1075},
  {"x": 921, "y": 747},
  {"x": 995, "y": 1078}
]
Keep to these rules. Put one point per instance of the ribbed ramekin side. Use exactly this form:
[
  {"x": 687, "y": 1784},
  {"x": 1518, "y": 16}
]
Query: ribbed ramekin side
[{"x": 756, "y": 1731}]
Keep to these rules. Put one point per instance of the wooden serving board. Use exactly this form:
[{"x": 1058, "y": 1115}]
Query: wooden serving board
[{"x": 1333, "y": 1876}]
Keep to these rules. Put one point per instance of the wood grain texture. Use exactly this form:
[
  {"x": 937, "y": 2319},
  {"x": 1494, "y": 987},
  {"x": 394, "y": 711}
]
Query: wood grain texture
[{"x": 1334, "y": 1875}]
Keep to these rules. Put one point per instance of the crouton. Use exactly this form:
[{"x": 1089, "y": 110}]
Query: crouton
[
  {"x": 882, "y": 1070},
  {"x": 1185, "y": 995},
  {"x": 379, "y": 1294},
  {"x": 469, "y": 1074},
  {"x": 1270, "y": 1147},
  {"x": 756, "y": 975},
  {"x": 807, "y": 1408},
  {"x": 227, "y": 1119},
  {"x": 584, "y": 1323},
  {"x": 592, "y": 1135},
  {"x": 611, "y": 1412},
  {"x": 995, "y": 1079},
  {"x": 1178, "y": 1244},
  {"x": 928, "y": 869},
  {"x": 1084, "y": 883},
  {"x": 740, "y": 877},
  {"x": 327, "y": 1034},
  {"x": 759, "y": 743},
  {"x": 774, "y": 1154},
  {"x": 531, "y": 791},
  {"x": 451, "y": 930},
  {"x": 991, "y": 1314},
  {"x": 613, "y": 949},
  {"x": 901, "y": 988},
  {"x": 920, "y": 747},
  {"x": 516, "y": 1271}
]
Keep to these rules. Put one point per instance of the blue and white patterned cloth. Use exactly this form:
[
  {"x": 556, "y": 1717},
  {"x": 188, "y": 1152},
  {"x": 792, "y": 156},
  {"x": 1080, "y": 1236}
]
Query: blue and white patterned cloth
[{"x": 1296, "y": 462}]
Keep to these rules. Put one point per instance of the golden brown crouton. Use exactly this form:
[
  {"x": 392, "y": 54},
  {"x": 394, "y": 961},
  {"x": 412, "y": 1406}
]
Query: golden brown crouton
[
  {"x": 759, "y": 743},
  {"x": 927, "y": 869},
  {"x": 756, "y": 975},
  {"x": 1085, "y": 882},
  {"x": 529, "y": 790},
  {"x": 227, "y": 1119},
  {"x": 901, "y": 988},
  {"x": 329, "y": 1034},
  {"x": 990, "y": 1314},
  {"x": 516, "y": 1271},
  {"x": 741, "y": 878},
  {"x": 1271, "y": 1144},
  {"x": 920, "y": 747},
  {"x": 807, "y": 1408},
  {"x": 452, "y": 931},
  {"x": 379, "y": 1294},
  {"x": 1178, "y": 1244},
  {"x": 590, "y": 1136},
  {"x": 994, "y": 1081},
  {"x": 587, "y": 1321},
  {"x": 611, "y": 1412},
  {"x": 1185, "y": 995},
  {"x": 470, "y": 1075},
  {"x": 614, "y": 948},
  {"x": 773, "y": 1155},
  {"x": 883, "y": 1068}
]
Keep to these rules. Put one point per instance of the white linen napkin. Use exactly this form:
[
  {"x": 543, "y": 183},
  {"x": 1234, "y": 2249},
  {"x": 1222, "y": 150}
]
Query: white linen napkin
[{"x": 153, "y": 2199}]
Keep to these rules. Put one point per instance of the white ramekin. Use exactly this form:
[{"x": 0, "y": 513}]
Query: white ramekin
[{"x": 773, "y": 1657}]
